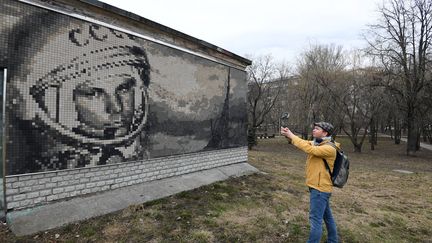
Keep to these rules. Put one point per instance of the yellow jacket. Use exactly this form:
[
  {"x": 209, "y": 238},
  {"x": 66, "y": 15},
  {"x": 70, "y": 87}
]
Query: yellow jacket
[{"x": 317, "y": 175}]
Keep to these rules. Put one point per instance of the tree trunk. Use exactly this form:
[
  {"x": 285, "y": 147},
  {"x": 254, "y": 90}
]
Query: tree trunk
[
  {"x": 391, "y": 132},
  {"x": 418, "y": 138},
  {"x": 412, "y": 135},
  {"x": 397, "y": 131},
  {"x": 429, "y": 135},
  {"x": 423, "y": 133},
  {"x": 383, "y": 128},
  {"x": 373, "y": 135},
  {"x": 418, "y": 141},
  {"x": 252, "y": 139},
  {"x": 305, "y": 132},
  {"x": 357, "y": 147}
]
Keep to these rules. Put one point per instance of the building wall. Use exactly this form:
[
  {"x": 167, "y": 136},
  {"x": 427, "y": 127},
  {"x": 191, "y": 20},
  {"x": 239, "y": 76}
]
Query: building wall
[
  {"x": 31, "y": 190},
  {"x": 91, "y": 108}
]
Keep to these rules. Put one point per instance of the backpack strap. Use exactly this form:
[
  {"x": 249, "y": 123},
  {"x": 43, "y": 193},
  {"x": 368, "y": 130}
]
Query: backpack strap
[
  {"x": 325, "y": 161},
  {"x": 333, "y": 145},
  {"x": 328, "y": 168}
]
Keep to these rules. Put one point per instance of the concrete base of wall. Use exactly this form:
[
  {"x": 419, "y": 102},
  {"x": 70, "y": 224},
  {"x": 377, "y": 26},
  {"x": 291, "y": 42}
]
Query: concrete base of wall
[{"x": 29, "y": 221}]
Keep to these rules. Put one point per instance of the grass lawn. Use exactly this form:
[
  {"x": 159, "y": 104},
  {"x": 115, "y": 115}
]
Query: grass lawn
[{"x": 377, "y": 205}]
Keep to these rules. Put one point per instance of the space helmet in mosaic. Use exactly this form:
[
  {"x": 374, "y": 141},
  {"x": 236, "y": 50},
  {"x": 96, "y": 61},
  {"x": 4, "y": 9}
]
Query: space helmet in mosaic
[{"x": 76, "y": 69}]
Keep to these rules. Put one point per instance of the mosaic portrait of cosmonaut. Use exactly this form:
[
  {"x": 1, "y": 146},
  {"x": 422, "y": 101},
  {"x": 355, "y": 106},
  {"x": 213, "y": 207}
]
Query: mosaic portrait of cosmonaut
[
  {"x": 80, "y": 94},
  {"x": 84, "y": 102}
]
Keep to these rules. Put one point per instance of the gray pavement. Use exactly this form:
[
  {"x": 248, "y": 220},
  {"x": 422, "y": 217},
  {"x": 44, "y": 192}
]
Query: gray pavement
[
  {"x": 422, "y": 145},
  {"x": 51, "y": 216}
]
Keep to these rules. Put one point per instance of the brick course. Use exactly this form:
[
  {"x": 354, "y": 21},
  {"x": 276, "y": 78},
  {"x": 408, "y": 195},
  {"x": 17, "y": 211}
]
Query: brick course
[{"x": 26, "y": 191}]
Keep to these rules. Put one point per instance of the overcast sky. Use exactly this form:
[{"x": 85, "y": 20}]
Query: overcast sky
[{"x": 281, "y": 28}]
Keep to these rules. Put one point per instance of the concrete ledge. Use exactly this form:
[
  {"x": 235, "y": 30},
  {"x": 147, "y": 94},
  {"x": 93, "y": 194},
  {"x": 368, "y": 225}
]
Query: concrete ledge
[{"x": 29, "y": 221}]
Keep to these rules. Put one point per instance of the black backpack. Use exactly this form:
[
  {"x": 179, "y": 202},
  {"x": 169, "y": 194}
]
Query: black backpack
[{"x": 340, "y": 173}]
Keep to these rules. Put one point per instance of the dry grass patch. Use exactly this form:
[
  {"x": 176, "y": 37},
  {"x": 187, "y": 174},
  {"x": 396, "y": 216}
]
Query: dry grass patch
[
  {"x": 202, "y": 236},
  {"x": 244, "y": 217},
  {"x": 114, "y": 231}
]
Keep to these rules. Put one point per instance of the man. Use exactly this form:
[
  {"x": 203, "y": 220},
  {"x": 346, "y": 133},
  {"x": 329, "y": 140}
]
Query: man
[{"x": 318, "y": 178}]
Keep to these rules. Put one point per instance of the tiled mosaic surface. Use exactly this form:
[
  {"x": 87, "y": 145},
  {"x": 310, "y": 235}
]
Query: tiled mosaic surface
[{"x": 81, "y": 95}]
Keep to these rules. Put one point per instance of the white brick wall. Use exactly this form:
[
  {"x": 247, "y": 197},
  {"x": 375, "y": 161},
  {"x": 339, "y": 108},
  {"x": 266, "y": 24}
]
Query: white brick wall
[{"x": 25, "y": 191}]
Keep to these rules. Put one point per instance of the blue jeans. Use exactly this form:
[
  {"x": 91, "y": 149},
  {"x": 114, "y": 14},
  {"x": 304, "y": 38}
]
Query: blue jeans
[{"x": 319, "y": 210}]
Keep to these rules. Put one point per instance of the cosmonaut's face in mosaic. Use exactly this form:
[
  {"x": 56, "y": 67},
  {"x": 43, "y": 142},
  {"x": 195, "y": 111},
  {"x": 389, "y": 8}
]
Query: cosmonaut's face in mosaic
[{"x": 106, "y": 107}]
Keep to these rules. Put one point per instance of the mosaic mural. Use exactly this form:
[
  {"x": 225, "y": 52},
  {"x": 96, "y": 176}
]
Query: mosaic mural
[{"x": 80, "y": 94}]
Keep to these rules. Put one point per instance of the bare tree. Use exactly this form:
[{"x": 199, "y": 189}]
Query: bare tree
[
  {"x": 317, "y": 65},
  {"x": 336, "y": 87},
  {"x": 262, "y": 93},
  {"x": 282, "y": 85},
  {"x": 374, "y": 100},
  {"x": 402, "y": 39}
]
